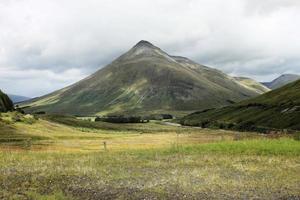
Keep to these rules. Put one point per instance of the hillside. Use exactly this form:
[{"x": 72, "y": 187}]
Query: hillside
[
  {"x": 5, "y": 103},
  {"x": 145, "y": 80},
  {"x": 17, "y": 98},
  {"x": 278, "y": 109},
  {"x": 252, "y": 84},
  {"x": 281, "y": 81}
]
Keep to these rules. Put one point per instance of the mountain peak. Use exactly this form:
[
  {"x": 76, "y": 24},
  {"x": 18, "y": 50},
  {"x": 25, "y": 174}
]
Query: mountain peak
[
  {"x": 289, "y": 75},
  {"x": 144, "y": 43},
  {"x": 144, "y": 80},
  {"x": 282, "y": 80}
]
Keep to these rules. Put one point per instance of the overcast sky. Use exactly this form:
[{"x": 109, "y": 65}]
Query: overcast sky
[{"x": 48, "y": 44}]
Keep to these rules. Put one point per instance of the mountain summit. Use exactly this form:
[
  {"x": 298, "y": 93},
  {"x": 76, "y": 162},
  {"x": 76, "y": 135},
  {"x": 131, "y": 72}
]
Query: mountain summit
[
  {"x": 142, "y": 81},
  {"x": 281, "y": 81},
  {"x": 144, "y": 43}
]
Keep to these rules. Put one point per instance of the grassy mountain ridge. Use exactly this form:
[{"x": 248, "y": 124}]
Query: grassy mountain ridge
[
  {"x": 252, "y": 84},
  {"x": 5, "y": 102},
  {"x": 278, "y": 109},
  {"x": 281, "y": 81},
  {"x": 17, "y": 98},
  {"x": 145, "y": 80}
]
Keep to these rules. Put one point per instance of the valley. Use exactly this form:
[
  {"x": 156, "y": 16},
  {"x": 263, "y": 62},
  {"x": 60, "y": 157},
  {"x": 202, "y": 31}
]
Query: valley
[
  {"x": 149, "y": 100},
  {"x": 43, "y": 159},
  {"x": 153, "y": 126}
]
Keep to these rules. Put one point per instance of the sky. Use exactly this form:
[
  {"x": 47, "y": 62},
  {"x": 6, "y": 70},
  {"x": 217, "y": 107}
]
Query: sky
[{"x": 46, "y": 45}]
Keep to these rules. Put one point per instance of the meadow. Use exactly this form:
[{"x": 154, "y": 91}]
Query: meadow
[{"x": 62, "y": 158}]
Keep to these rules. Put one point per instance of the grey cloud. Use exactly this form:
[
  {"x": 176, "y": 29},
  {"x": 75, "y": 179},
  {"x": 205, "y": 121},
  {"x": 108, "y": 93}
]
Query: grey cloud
[
  {"x": 269, "y": 6},
  {"x": 241, "y": 37}
]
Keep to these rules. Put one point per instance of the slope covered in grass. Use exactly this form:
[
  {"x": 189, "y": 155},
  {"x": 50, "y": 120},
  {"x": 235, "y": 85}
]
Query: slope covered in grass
[
  {"x": 18, "y": 98},
  {"x": 5, "y": 102},
  {"x": 252, "y": 84},
  {"x": 278, "y": 109},
  {"x": 145, "y": 80},
  {"x": 281, "y": 81}
]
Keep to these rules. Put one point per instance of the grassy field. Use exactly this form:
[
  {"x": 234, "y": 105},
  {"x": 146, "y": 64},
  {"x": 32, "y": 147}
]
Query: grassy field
[
  {"x": 70, "y": 134},
  {"x": 43, "y": 159}
]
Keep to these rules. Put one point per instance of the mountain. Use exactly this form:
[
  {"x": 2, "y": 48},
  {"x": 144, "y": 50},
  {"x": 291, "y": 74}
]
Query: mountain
[
  {"x": 281, "y": 81},
  {"x": 144, "y": 80},
  {"x": 278, "y": 109},
  {"x": 252, "y": 84},
  {"x": 17, "y": 98},
  {"x": 5, "y": 103}
]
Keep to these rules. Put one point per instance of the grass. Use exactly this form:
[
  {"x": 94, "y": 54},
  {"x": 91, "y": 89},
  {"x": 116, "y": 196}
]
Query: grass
[
  {"x": 265, "y": 147},
  {"x": 210, "y": 171},
  {"x": 71, "y": 134},
  {"x": 169, "y": 163},
  {"x": 278, "y": 109}
]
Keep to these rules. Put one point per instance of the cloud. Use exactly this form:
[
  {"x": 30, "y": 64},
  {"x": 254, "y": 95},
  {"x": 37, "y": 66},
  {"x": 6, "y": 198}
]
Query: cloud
[
  {"x": 42, "y": 40},
  {"x": 33, "y": 82}
]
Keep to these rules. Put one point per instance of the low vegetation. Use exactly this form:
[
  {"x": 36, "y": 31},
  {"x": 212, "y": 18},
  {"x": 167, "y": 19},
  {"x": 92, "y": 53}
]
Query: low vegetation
[
  {"x": 274, "y": 111},
  {"x": 235, "y": 170},
  {"x": 120, "y": 119},
  {"x": 61, "y": 157},
  {"x": 5, "y": 103}
]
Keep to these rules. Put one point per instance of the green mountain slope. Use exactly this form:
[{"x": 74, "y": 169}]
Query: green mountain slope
[
  {"x": 252, "y": 84},
  {"x": 278, "y": 109},
  {"x": 17, "y": 98},
  {"x": 281, "y": 81},
  {"x": 5, "y": 103},
  {"x": 145, "y": 80}
]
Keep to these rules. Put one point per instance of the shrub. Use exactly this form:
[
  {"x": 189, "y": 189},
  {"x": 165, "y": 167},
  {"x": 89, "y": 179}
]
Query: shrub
[
  {"x": 40, "y": 113},
  {"x": 246, "y": 126},
  {"x": 167, "y": 116},
  {"x": 221, "y": 126},
  {"x": 159, "y": 117},
  {"x": 20, "y": 110},
  {"x": 119, "y": 119},
  {"x": 297, "y": 136},
  {"x": 230, "y": 126},
  {"x": 29, "y": 119},
  {"x": 17, "y": 117},
  {"x": 205, "y": 123}
]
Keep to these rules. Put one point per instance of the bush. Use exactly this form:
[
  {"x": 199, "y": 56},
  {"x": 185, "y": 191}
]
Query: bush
[
  {"x": 120, "y": 119},
  {"x": 230, "y": 126},
  {"x": 17, "y": 117},
  {"x": 246, "y": 126},
  {"x": 222, "y": 126},
  {"x": 204, "y": 124},
  {"x": 40, "y": 113},
  {"x": 167, "y": 116},
  {"x": 297, "y": 136},
  {"x": 20, "y": 110},
  {"x": 158, "y": 117},
  {"x": 29, "y": 119}
]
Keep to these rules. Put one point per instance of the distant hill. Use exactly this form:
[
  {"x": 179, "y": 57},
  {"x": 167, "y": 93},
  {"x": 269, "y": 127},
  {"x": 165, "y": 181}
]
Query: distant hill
[
  {"x": 252, "y": 84},
  {"x": 5, "y": 103},
  {"x": 17, "y": 98},
  {"x": 145, "y": 80},
  {"x": 281, "y": 81},
  {"x": 278, "y": 109}
]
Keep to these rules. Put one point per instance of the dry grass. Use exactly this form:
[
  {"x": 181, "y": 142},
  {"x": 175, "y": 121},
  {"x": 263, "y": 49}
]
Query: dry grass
[
  {"x": 64, "y": 162},
  {"x": 57, "y": 137}
]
